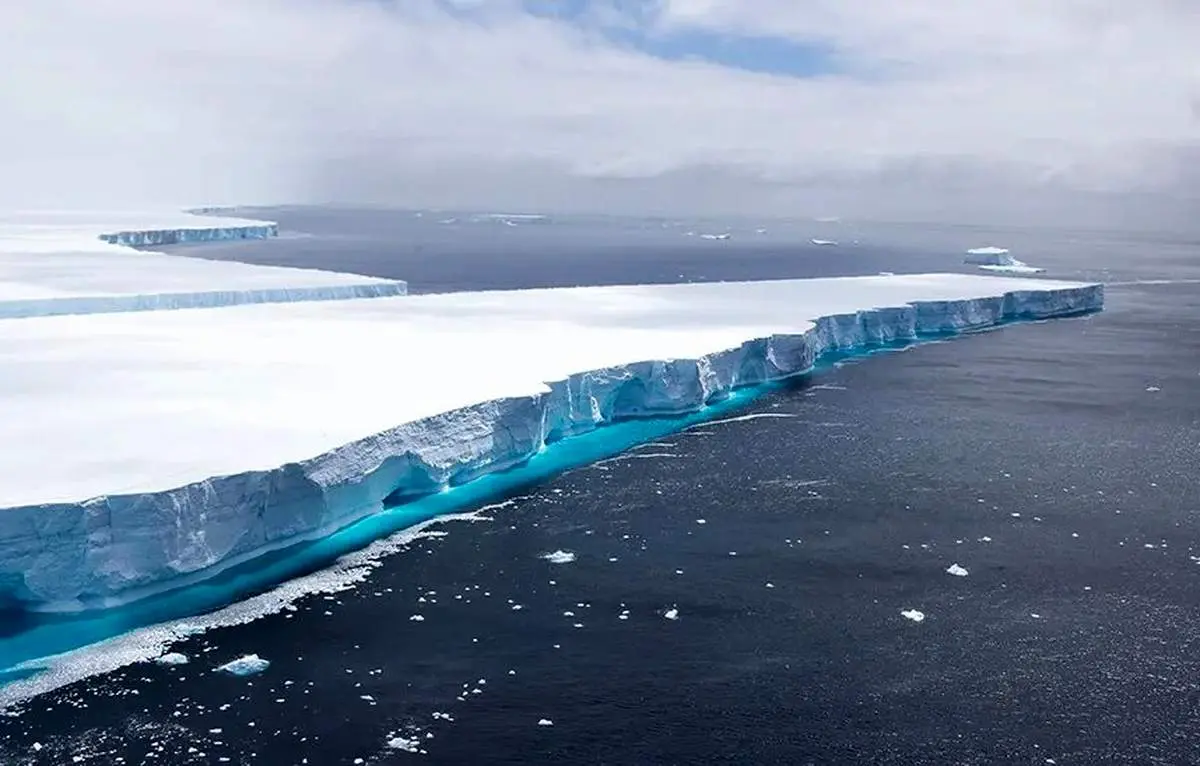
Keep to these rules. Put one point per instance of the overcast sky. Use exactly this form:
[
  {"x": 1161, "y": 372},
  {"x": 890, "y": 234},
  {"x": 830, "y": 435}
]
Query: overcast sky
[{"x": 904, "y": 108}]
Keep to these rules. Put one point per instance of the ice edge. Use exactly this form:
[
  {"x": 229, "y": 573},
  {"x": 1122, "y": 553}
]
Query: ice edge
[
  {"x": 218, "y": 231},
  {"x": 102, "y": 552},
  {"x": 115, "y": 304}
]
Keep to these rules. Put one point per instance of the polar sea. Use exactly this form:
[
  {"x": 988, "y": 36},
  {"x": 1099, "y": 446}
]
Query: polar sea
[{"x": 734, "y": 590}]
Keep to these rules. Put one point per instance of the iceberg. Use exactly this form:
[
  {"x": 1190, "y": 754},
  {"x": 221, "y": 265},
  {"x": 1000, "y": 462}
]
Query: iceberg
[
  {"x": 82, "y": 231},
  {"x": 57, "y": 264},
  {"x": 249, "y": 665},
  {"x": 998, "y": 259},
  {"x": 144, "y": 451}
]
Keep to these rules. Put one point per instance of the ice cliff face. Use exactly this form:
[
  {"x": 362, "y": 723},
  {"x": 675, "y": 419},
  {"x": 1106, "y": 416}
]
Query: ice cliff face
[
  {"x": 119, "y": 547},
  {"x": 199, "y": 233}
]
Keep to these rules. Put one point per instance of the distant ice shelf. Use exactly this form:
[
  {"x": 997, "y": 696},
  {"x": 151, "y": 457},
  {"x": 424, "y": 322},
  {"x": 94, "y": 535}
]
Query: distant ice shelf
[
  {"x": 70, "y": 263},
  {"x": 141, "y": 451}
]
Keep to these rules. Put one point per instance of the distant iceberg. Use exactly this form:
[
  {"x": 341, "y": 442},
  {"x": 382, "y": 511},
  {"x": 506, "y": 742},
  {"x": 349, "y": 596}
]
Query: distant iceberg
[
  {"x": 998, "y": 259},
  {"x": 824, "y": 242}
]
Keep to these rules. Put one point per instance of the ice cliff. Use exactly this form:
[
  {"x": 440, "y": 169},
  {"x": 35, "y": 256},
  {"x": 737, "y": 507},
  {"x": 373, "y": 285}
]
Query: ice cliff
[
  {"x": 118, "y": 547},
  {"x": 194, "y": 233}
]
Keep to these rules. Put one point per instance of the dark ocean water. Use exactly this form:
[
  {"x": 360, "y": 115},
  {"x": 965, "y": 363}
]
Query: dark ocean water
[{"x": 1055, "y": 462}]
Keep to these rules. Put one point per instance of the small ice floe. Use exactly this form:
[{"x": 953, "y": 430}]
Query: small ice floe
[
  {"x": 406, "y": 744},
  {"x": 545, "y": 722},
  {"x": 672, "y": 613},
  {"x": 249, "y": 665},
  {"x": 559, "y": 557},
  {"x": 1035, "y": 615},
  {"x": 724, "y": 236},
  {"x": 957, "y": 571},
  {"x": 912, "y": 614},
  {"x": 417, "y": 618},
  {"x": 887, "y": 273},
  {"x": 1153, "y": 389},
  {"x": 824, "y": 242},
  {"x": 172, "y": 658}
]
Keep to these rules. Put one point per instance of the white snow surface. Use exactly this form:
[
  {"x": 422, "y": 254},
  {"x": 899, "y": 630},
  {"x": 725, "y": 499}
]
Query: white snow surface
[
  {"x": 58, "y": 263},
  {"x": 140, "y": 448}
]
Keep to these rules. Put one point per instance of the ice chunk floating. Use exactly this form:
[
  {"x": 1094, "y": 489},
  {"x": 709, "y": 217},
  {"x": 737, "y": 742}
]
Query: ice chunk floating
[
  {"x": 249, "y": 665},
  {"x": 143, "y": 451}
]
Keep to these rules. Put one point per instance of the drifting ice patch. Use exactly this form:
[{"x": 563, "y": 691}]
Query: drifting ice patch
[
  {"x": 249, "y": 665},
  {"x": 957, "y": 571},
  {"x": 405, "y": 744},
  {"x": 559, "y": 557},
  {"x": 824, "y": 242},
  {"x": 913, "y": 614},
  {"x": 172, "y": 658}
]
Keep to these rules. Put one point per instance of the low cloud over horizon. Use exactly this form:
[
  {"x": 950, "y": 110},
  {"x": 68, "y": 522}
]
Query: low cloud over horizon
[{"x": 926, "y": 109}]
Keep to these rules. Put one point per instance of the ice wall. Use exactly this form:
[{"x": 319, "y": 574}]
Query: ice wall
[
  {"x": 183, "y": 235},
  {"x": 119, "y": 547},
  {"x": 989, "y": 256}
]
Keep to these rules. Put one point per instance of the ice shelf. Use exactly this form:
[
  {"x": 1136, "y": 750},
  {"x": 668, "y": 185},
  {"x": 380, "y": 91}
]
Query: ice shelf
[
  {"x": 137, "y": 449},
  {"x": 59, "y": 263}
]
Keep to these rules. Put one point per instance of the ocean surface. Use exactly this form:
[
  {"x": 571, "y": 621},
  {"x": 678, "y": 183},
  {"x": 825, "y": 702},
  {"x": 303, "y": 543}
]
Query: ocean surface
[{"x": 732, "y": 593}]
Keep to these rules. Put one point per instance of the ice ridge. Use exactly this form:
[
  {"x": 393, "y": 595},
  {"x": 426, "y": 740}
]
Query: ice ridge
[{"x": 112, "y": 549}]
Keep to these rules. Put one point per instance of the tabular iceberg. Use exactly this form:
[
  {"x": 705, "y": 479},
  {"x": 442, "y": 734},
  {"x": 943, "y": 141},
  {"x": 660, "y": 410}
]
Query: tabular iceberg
[
  {"x": 193, "y": 440},
  {"x": 56, "y": 264},
  {"x": 999, "y": 260}
]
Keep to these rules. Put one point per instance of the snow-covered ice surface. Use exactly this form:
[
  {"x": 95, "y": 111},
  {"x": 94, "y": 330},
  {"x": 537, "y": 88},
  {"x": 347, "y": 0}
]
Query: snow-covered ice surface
[
  {"x": 146, "y": 449},
  {"x": 52, "y": 264}
]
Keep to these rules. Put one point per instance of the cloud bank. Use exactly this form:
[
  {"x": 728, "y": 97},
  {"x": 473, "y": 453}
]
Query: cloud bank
[{"x": 927, "y": 108}]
